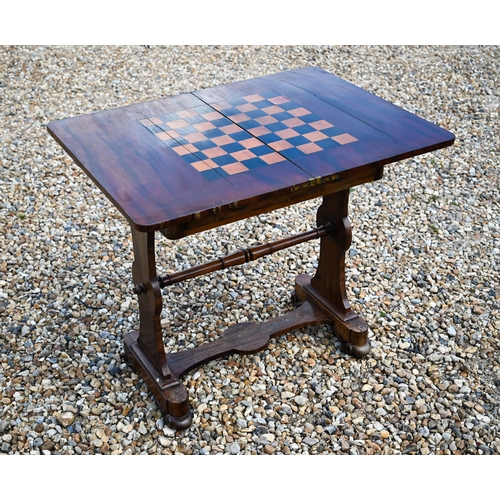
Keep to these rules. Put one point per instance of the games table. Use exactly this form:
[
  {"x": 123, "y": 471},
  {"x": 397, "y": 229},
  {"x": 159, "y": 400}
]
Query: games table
[{"x": 191, "y": 162}]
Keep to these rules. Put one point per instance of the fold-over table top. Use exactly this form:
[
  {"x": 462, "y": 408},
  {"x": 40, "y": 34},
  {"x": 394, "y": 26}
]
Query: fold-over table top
[{"x": 164, "y": 162}]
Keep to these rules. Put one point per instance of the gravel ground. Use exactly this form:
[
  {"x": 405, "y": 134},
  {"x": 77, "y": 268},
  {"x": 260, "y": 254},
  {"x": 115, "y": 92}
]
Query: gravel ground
[{"x": 422, "y": 270}]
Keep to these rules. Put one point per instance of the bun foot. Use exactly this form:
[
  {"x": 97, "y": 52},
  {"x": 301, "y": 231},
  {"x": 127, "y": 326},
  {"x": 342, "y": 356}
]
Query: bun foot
[
  {"x": 358, "y": 351},
  {"x": 178, "y": 423}
]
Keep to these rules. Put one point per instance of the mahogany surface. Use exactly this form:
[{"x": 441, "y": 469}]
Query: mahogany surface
[
  {"x": 154, "y": 187},
  {"x": 191, "y": 162}
]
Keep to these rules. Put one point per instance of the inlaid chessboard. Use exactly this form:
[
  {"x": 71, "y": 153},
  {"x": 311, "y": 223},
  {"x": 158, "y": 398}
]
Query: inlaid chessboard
[{"x": 244, "y": 133}]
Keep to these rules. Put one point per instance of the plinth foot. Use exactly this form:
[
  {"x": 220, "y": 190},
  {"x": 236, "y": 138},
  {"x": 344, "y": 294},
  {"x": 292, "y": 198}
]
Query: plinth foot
[
  {"x": 170, "y": 394},
  {"x": 350, "y": 328}
]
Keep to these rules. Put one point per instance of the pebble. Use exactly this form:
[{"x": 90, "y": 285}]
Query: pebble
[
  {"x": 269, "y": 450},
  {"x": 164, "y": 441},
  {"x": 66, "y": 419},
  {"x": 234, "y": 448},
  {"x": 310, "y": 441},
  {"x": 421, "y": 269},
  {"x": 300, "y": 400},
  {"x": 128, "y": 428}
]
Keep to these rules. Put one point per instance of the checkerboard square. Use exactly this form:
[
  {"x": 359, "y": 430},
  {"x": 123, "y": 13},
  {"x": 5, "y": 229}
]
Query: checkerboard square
[
  {"x": 214, "y": 152},
  {"x": 191, "y": 148},
  {"x": 186, "y": 113},
  {"x": 287, "y": 133},
  {"x": 299, "y": 112},
  {"x": 213, "y": 133},
  {"x": 196, "y": 137},
  {"x": 240, "y": 117},
  {"x": 321, "y": 124},
  {"x": 184, "y": 131},
  {"x": 275, "y": 127},
  {"x": 222, "y": 122},
  {"x": 201, "y": 166},
  {"x": 178, "y": 123},
  {"x": 272, "y": 110},
  {"x": 171, "y": 143},
  {"x": 315, "y": 136},
  {"x": 281, "y": 145},
  {"x": 230, "y": 129},
  {"x": 251, "y": 142},
  {"x": 241, "y": 135},
  {"x": 310, "y": 118},
  {"x": 269, "y": 138},
  {"x": 213, "y": 174},
  {"x": 263, "y": 104},
  {"x": 232, "y": 147},
  {"x": 235, "y": 168},
  {"x": 284, "y": 115},
  {"x": 212, "y": 115},
  {"x": 246, "y": 107},
  {"x": 170, "y": 117},
  {"x": 258, "y": 131},
  {"x": 287, "y": 106},
  {"x": 253, "y": 163},
  {"x": 192, "y": 120},
  {"x": 222, "y": 140},
  {"x": 280, "y": 99},
  {"x": 261, "y": 150},
  {"x": 253, "y": 98},
  {"x": 172, "y": 133},
  {"x": 304, "y": 129},
  {"x": 249, "y": 124},
  {"x": 222, "y": 105},
  {"x": 190, "y": 158},
  {"x": 310, "y": 148},
  {"x": 344, "y": 138},
  {"x": 272, "y": 158},
  {"x": 222, "y": 161},
  {"x": 204, "y": 126},
  {"x": 256, "y": 113},
  {"x": 156, "y": 128},
  {"x": 181, "y": 150},
  {"x": 206, "y": 144},
  {"x": 331, "y": 131},
  {"x": 293, "y": 122},
  {"x": 266, "y": 119},
  {"x": 162, "y": 135},
  {"x": 328, "y": 143},
  {"x": 244, "y": 154}
]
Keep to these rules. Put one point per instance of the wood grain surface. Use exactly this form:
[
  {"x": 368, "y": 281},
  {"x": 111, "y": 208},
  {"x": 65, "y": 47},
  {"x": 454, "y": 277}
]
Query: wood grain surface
[{"x": 163, "y": 176}]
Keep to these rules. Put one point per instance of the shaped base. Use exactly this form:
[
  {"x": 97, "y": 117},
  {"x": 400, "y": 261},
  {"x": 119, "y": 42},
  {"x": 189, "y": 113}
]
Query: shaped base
[{"x": 243, "y": 338}]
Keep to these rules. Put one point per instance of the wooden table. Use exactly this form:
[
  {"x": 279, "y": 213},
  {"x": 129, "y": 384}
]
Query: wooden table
[{"x": 191, "y": 162}]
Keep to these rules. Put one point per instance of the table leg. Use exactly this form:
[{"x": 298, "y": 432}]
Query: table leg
[
  {"x": 145, "y": 349},
  {"x": 327, "y": 288}
]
